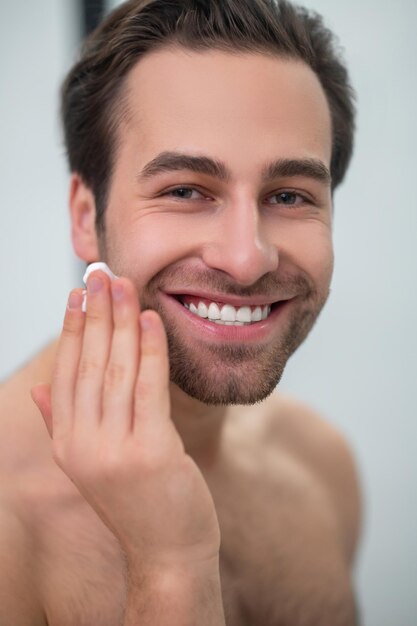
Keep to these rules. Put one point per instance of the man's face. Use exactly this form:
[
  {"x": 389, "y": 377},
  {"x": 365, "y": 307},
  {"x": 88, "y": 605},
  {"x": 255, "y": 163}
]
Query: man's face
[{"x": 241, "y": 230}]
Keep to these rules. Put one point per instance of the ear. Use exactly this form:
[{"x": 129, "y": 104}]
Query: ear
[{"x": 83, "y": 215}]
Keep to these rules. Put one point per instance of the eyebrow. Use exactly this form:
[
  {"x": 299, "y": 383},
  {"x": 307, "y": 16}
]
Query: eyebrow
[
  {"x": 288, "y": 168},
  {"x": 175, "y": 161}
]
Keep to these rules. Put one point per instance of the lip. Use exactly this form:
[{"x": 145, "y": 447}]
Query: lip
[
  {"x": 202, "y": 328},
  {"x": 225, "y": 299}
]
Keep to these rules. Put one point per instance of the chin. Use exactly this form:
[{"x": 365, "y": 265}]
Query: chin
[
  {"x": 234, "y": 374},
  {"x": 231, "y": 388}
]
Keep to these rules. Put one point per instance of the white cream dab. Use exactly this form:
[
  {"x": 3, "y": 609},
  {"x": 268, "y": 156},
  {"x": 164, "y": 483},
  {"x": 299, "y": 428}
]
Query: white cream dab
[{"x": 99, "y": 265}]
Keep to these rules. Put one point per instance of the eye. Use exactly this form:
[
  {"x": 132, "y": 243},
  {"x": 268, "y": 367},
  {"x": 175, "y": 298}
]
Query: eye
[
  {"x": 287, "y": 198},
  {"x": 185, "y": 193}
]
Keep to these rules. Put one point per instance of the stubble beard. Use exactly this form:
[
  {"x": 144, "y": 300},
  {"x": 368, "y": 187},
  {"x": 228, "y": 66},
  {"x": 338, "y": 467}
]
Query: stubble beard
[
  {"x": 236, "y": 374},
  {"x": 230, "y": 374}
]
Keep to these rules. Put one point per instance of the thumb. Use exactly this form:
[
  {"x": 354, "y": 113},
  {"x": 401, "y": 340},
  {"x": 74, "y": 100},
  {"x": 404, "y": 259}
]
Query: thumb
[{"x": 41, "y": 395}]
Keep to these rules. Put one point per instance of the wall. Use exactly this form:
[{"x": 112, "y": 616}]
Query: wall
[
  {"x": 37, "y": 44},
  {"x": 358, "y": 366}
]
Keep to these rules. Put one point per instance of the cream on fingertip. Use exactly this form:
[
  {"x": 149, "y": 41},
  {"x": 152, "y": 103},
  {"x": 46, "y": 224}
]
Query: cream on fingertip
[{"x": 98, "y": 265}]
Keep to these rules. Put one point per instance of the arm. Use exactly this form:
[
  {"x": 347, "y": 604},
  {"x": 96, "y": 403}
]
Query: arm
[{"x": 108, "y": 414}]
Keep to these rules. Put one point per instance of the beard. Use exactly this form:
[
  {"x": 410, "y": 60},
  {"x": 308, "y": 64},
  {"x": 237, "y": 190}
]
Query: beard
[{"x": 233, "y": 374}]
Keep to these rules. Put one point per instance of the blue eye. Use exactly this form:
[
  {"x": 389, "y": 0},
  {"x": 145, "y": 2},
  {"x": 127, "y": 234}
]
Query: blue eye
[
  {"x": 287, "y": 198},
  {"x": 184, "y": 193}
]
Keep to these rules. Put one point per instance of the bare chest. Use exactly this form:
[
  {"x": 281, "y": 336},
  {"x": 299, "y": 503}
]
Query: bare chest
[
  {"x": 282, "y": 548},
  {"x": 280, "y": 561}
]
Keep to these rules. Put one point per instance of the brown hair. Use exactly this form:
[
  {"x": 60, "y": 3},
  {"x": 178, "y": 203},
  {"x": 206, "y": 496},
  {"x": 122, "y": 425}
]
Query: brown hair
[{"x": 92, "y": 94}]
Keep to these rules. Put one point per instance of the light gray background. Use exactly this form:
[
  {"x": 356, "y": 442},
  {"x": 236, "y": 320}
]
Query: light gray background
[{"x": 357, "y": 368}]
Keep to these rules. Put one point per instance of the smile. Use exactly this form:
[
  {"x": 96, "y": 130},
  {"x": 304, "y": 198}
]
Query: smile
[
  {"x": 226, "y": 314},
  {"x": 222, "y": 322}
]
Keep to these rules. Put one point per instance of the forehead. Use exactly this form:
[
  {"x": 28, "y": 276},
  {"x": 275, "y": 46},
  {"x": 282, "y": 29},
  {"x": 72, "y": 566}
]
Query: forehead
[{"x": 239, "y": 107}]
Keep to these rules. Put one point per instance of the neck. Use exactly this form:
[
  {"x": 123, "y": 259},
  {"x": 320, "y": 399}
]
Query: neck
[{"x": 199, "y": 425}]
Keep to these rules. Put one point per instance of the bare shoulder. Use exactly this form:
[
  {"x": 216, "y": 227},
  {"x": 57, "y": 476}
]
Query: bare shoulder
[
  {"x": 326, "y": 453},
  {"x": 21, "y": 431},
  {"x": 28, "y": 475},
  {"x": 24, "y": 442},
  {"x": 19, "y": 597},
  {"x": 23, "y": 458}
]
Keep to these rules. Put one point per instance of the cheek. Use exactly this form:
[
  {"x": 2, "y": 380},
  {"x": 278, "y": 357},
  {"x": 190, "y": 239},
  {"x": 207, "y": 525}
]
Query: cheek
[
  {"x": 309, "y": 245},
  {"x": 150, "y": 244}
]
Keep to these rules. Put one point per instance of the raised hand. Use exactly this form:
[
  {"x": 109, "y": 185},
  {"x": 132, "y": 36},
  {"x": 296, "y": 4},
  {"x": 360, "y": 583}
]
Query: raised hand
[{"x": 108, "y": 414}]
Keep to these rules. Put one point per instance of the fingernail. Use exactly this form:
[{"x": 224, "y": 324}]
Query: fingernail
[
  {"x": 94, "y": 285},
  {"x": 74, "y": 301}
]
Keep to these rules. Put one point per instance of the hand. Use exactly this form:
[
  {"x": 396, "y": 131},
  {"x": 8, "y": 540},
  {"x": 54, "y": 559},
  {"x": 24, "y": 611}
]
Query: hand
[{"x": 108, "y": 414}]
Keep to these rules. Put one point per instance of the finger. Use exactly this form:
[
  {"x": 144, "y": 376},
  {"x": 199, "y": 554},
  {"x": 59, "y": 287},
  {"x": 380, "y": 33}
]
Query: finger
[
  {"x": 94, "y": 353},
  {"x": 152, "y": 406},
  {"x": 41, "y": 395},
  {"x": 122, "y": 367},
  {"x": 66, "y": 366}
]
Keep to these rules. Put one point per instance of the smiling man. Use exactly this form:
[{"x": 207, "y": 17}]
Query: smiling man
[{"x": 172, "y": 486}]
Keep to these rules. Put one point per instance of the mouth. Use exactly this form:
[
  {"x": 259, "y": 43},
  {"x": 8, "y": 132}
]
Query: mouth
[
  {"x": 223, "y": 321},
  {"x": 224, "y": 313}
]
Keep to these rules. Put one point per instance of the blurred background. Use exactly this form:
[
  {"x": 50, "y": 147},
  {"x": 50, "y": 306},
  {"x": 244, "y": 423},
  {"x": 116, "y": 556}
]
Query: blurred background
[{"x": 358, "y": 366}]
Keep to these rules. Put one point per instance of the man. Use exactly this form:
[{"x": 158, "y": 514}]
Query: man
[{"x": 205, "y": 141}]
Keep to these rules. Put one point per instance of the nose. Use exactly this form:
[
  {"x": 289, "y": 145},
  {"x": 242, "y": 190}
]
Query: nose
[{"x": 240, "y": 244}]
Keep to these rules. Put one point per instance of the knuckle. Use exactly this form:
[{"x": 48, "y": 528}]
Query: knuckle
[
  {"x": 115, "y": 374},
  {"x": 151, "y": 351},
  {"x": 94, "y": 316},
  {"x": 124, "y": 321},
  {"x": 151, "y": 393},
  {"x": 142, "y": 392},
  {"x": 88, "y": 368},
  {"x": 72, "y": 327},
  {"x": 60, "y": 372},
  {"x": 141, "y": 388}
]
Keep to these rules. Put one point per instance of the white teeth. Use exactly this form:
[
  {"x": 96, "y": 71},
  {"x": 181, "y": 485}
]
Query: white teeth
[
  {"x": 243, "y": 314},
  {"x": 228, "y": 314},
  {"x": 257, "y": 314},
  {"x": 213, "y": 312}
]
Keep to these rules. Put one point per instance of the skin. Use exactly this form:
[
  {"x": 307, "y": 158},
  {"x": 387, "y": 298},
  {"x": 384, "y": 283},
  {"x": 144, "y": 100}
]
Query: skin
[
  {"x": 144, "y": 416},
  {"x": 236, "y": 239}
]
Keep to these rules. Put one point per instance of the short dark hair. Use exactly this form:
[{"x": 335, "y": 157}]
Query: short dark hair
[{"x": 93, "y": 95}]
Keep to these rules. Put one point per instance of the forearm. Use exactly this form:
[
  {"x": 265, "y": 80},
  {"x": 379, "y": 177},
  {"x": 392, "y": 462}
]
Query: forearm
[{"x": 175, "y": 598}]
